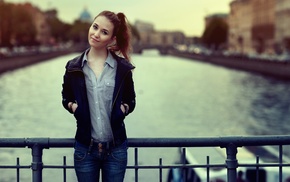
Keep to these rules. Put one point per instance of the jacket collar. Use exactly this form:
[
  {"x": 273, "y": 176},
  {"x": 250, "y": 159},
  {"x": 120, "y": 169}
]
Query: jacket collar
[{"x": 76, "y": 63}]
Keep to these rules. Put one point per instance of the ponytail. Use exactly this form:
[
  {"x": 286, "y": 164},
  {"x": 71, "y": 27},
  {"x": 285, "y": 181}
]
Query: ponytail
[{"x": 123, "y": 36}]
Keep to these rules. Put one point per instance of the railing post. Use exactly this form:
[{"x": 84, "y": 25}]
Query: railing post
[
  {"x": 37, "y": 145},
  {"x": 231, "y": 162},
  {"x": 37, "y": 164}
]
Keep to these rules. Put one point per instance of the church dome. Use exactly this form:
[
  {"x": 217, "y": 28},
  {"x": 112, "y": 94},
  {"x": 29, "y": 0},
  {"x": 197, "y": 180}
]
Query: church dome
[{"x": 86, "y": 16}]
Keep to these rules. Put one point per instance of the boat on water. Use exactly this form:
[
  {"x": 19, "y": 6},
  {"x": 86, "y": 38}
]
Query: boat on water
[{"x": 208, "y": 164}]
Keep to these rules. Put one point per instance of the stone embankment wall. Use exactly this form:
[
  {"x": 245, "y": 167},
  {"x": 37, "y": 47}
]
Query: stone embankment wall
[
  {"x": 15, "y": 62},
  {"x": 12, "y": 63},
  {"x": 272, "y": 68}
]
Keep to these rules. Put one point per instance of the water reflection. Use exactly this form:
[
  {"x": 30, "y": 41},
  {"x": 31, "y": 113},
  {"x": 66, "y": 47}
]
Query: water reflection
[{"x": 269, "y": 103}]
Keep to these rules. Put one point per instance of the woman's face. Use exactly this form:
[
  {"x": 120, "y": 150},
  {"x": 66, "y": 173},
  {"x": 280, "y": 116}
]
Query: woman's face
[{"x": 101, "y": 33}]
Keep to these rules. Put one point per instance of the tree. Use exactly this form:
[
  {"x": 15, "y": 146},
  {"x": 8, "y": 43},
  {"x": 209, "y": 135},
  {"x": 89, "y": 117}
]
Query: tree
[
  {"x": 5, "y": 23},
  {"x": 215, "y": 34},
  {"x": 16, "y": 25},
  {"x": 58, "y": 29},
  {"x": 79, "y": 31},
  {"x": 23, "y": 28}
]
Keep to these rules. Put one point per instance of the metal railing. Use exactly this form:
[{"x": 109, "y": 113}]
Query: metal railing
[{"x": 231, "y": 144}]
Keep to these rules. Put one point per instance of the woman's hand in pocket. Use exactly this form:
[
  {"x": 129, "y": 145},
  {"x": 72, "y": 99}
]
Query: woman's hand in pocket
[{"x": 74, "y": 107}]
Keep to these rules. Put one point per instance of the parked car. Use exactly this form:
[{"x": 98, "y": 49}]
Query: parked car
[{"x": 4, "y": 52}]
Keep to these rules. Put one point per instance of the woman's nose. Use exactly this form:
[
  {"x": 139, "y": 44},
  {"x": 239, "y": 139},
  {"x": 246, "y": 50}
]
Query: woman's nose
[{"x": 97, "y": 33}]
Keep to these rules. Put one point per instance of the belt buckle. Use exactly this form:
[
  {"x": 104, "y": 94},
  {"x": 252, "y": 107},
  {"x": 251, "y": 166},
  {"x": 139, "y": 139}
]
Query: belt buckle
[{"x": 100, "y": 147}]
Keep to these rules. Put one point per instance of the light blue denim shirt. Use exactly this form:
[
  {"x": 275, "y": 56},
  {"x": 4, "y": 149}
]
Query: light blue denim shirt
[{"x": 100, "y": 94}]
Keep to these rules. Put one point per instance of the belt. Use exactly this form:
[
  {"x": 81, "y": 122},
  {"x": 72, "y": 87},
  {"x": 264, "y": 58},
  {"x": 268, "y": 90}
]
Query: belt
[{"x": 102, "y": 146}]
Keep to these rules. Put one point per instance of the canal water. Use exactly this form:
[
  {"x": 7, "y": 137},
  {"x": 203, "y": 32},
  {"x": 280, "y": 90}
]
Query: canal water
[{"x": 176, "y": 97}]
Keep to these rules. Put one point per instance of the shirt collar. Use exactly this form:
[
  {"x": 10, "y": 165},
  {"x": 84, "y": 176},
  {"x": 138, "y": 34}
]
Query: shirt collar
[
  {"x": 110, "y": 59},
  {"x": 85, "y": 58}
]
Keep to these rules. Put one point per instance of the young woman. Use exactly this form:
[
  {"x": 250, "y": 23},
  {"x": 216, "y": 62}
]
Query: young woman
[{"x": 98, "y": 90}]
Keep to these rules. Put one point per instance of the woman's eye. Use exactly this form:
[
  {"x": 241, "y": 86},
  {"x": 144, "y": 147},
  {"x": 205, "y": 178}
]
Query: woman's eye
[
  {"x": 105, "y": 32},
  {"x": 95, "y": 26}
]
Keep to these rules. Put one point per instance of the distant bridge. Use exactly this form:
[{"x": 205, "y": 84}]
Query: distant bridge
[{"x": 163, "y": 49}]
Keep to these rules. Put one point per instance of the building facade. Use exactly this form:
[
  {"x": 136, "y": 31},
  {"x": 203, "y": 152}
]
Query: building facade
[
  {"x": 259, "y": 26},
  {"x": 263, "y": 27},
  {"x": 240, "y": 23},
  {"x": 145, "y": 29},
  {"x": 148, "y": 35},
  {"x": 282, "y": 25}
]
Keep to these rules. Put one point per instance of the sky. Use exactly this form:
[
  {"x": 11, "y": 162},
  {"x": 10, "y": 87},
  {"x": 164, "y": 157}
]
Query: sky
[{"x": 166, "y": 15}]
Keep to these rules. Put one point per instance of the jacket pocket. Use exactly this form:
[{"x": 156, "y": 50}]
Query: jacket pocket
[
  {"x": 118, "y": 115},
  {"x": 77, "y": 113}
]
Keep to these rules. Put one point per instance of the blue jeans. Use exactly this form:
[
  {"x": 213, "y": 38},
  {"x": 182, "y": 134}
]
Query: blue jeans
[{"x": 112, "y": 163}]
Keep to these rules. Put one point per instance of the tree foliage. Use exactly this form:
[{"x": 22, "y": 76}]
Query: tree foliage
[
  {"x": 5, "y": 24},
  {"x": 58, "y": 29},
  {"x": 16, "y": 25},
  {"x": 23, "y": 28},
  {"x": 79, "y": 31},
  {"x": 215, "y": 34}
]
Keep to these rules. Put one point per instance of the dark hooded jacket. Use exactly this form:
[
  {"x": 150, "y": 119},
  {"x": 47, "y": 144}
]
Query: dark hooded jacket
[{"x": 74, "y": 90}]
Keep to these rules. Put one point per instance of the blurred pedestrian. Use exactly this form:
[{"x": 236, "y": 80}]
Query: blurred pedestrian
[
  {"x": 98, "y": 89},
  {"x": 240, "y": 177}
]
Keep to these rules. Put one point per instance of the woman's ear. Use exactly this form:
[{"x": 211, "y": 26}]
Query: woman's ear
[
  {"x": 113, "y": 44},
  {"x": 114, "y": 40}
]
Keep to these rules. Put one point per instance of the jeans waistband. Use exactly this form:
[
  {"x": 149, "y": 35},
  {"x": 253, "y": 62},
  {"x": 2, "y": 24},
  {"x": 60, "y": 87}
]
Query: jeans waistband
[{"x": 101, "y": 145}]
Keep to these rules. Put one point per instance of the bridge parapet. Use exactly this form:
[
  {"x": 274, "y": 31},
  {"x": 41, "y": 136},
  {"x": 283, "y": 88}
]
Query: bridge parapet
[{"x": 163, "y": 49}]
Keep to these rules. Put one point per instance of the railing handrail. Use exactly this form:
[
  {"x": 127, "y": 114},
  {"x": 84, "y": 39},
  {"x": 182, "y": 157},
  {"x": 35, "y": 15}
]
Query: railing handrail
[
  {"x": 231, "y": 143},
  {"x": 238, "y": 141}
]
